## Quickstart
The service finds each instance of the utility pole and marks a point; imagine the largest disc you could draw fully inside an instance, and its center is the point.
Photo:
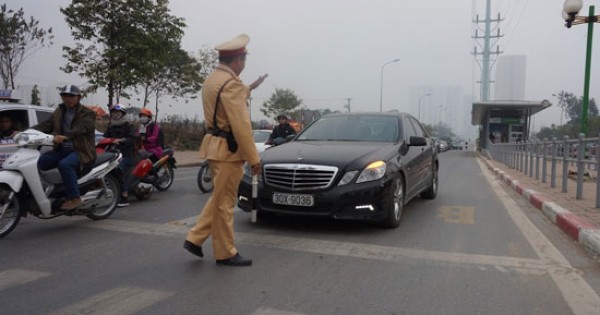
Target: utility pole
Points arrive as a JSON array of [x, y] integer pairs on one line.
[[348, 105], [486, 63]]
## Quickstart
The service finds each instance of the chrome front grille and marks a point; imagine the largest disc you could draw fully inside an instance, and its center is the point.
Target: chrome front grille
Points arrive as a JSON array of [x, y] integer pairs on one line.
[[299, 176]]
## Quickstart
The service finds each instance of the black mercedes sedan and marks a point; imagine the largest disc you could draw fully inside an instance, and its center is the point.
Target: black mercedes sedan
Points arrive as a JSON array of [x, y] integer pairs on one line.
[[359, 166]]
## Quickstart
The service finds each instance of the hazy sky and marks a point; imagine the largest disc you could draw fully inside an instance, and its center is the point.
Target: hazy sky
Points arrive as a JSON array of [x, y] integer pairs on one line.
[[329, 50]]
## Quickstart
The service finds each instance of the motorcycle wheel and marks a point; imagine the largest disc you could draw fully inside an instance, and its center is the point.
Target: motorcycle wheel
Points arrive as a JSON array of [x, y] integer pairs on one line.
[[114, 191], [164, 177], [205, 182], [12, 215]]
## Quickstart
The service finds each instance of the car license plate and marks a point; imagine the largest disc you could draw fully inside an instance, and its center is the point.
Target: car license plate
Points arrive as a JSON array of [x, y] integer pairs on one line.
[[293, 200]]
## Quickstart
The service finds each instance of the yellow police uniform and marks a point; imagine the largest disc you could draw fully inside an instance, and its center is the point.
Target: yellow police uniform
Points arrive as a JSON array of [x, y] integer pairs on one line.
[[216, 219]]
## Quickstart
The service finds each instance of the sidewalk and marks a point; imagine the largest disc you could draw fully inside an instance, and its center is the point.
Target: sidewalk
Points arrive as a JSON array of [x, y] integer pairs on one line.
[[577, 218], [187, 158]]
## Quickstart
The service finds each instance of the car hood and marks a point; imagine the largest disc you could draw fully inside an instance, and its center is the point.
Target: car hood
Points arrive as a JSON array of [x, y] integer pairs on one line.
[[342, 154]]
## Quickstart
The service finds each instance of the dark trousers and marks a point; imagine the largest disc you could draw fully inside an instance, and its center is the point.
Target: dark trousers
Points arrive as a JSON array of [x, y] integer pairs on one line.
[[67, 162]]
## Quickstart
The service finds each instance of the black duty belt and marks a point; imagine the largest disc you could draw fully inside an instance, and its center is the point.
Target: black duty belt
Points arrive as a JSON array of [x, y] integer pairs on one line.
[[217, 132]]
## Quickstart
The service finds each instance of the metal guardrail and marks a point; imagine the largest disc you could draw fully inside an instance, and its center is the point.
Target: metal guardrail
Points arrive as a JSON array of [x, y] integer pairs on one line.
[[534, 157]]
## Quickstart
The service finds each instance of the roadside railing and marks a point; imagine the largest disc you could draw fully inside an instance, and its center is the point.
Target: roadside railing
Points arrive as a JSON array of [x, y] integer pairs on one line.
[[554, 160]]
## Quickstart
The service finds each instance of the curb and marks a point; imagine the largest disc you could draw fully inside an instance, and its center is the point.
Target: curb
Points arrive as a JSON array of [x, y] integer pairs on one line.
[[577, 227]]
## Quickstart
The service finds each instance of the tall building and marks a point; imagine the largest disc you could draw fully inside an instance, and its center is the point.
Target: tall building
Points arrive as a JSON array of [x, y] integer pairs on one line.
[[510, 78]]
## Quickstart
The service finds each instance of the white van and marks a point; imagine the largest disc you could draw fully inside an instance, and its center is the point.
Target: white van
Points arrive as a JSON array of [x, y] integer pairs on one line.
[[23, 117]]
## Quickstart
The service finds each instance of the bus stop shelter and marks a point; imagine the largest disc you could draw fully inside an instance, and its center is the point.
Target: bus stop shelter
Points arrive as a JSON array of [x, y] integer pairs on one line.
[[504, 121]]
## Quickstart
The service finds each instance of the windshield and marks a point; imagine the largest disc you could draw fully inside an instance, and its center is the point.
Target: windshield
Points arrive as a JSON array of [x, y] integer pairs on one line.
[[373, 128], [261, 136]]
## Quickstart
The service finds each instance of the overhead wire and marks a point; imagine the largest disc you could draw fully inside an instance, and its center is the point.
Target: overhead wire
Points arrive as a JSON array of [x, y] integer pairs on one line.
[[509, 37]]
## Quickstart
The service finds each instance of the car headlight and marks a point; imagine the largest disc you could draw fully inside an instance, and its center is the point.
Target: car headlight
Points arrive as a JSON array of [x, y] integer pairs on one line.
[[347, 178], [373, 171]]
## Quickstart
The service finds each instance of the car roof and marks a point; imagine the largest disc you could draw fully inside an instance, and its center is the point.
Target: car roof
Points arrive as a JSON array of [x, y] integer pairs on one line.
[[388, 113], [8, 106]]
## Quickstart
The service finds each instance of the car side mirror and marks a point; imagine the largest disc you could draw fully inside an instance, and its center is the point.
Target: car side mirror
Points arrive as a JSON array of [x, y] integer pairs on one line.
[[415, 141]]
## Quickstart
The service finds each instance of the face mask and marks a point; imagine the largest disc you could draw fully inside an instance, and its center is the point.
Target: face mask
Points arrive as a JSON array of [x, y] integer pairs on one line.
[[116, 116], [144, 120]]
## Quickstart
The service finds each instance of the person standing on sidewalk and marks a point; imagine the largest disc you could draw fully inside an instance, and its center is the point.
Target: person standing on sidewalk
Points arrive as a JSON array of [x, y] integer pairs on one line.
[[226, 145]]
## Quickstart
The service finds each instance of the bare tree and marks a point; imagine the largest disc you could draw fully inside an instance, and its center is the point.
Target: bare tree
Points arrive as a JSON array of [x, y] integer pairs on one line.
[[19, 39]]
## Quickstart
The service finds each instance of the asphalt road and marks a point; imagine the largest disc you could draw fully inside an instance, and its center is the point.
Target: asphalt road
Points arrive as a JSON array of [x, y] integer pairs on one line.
[[476, 249]]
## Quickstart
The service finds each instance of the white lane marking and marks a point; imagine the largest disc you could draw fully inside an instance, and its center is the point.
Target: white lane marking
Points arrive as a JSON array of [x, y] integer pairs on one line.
[[581, 298], [183, 178], [347, 249], [14, 277], [191, 221], [272, 311], [117, 301]]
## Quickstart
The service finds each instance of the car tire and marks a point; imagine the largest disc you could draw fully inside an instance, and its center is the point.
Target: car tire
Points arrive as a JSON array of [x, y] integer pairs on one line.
[[395, 204], [431, 192]]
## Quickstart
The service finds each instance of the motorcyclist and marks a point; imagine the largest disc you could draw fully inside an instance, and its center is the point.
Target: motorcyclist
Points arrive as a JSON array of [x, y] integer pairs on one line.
[[72, 125], [281, 131], [149, 132], [123, 132]]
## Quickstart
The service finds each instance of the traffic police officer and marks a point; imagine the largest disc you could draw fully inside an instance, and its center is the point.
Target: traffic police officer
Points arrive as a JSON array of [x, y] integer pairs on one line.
[[224, 91]]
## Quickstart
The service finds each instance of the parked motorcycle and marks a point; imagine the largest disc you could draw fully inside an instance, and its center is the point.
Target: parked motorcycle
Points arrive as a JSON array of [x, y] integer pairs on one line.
[[26, 190]]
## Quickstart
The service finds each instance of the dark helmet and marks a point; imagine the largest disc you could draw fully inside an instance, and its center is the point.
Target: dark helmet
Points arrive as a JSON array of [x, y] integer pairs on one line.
[[281, 116]]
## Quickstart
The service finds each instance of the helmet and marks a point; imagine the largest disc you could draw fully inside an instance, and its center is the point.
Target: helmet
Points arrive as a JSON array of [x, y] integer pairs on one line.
[[145, 111], [70, 90], [281, 116], [118, 108]]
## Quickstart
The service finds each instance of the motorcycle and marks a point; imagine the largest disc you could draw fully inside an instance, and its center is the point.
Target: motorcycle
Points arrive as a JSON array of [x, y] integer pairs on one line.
[[204, 179], [147, 175], [25, 190], [160, 174]]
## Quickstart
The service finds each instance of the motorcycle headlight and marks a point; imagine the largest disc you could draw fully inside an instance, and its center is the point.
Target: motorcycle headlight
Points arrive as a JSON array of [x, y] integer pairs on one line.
[[21, 138], [373, 171]]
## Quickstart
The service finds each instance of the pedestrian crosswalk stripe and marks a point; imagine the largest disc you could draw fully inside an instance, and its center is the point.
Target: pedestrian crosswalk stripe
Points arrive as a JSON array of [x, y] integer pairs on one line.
[[272, 311], [347, 249], [14, 277], [118, 301]]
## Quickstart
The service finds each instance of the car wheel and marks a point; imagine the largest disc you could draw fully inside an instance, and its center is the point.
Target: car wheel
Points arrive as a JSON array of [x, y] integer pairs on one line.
[[395, 204], [431, 192]]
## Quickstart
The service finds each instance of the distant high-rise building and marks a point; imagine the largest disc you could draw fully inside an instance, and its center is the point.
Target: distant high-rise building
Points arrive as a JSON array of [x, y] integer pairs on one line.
[[443, 104], [510, 78]]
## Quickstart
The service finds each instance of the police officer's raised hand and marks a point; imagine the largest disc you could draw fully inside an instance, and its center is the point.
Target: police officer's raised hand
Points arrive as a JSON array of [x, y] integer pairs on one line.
[[258, 81], [256, 168]]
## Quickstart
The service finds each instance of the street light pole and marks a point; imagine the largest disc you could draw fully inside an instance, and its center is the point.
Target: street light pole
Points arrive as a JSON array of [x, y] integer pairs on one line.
[[420, 98], [571, 9], [381, 84]]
